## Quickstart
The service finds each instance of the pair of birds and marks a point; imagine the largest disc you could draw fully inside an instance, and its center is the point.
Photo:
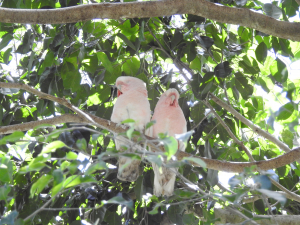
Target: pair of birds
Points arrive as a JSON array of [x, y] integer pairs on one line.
[[132, 103]]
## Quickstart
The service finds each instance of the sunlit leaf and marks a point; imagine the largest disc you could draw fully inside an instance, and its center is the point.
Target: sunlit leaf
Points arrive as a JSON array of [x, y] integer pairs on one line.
[[71, 155], [120, 201], [17, 135], [171, 146], [285, 111], [40, 184], [53, 146]]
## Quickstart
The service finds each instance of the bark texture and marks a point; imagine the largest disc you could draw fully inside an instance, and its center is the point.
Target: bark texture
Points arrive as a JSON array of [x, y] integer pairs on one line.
[[223, 14]]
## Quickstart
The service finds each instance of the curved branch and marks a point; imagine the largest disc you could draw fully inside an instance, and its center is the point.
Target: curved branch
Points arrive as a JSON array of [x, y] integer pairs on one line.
[[227, 216], [234, 167], [223, 14], [67, 118]]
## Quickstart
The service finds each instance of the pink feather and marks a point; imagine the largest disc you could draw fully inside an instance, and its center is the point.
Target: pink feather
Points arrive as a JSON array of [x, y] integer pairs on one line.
[[169, 119], [132, 103]]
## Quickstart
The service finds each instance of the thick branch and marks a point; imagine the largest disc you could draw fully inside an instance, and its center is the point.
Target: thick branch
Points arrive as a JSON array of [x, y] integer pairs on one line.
[[234, 167], [224, 14], [227, 216], [288, 193]]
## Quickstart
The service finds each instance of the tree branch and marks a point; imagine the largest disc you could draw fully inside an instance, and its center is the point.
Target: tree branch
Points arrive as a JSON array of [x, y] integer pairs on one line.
[[249, 123], [227, 216], [236, 140], [223, 14], [287, 193], [234, 167], [67, 118]]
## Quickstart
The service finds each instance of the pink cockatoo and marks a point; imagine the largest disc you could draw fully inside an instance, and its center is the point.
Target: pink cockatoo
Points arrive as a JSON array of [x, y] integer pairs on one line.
[[169, 119], [132, 103]]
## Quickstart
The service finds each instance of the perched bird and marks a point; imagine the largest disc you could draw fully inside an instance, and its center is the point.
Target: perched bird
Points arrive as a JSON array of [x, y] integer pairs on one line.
[[169, 119], [132, 103]]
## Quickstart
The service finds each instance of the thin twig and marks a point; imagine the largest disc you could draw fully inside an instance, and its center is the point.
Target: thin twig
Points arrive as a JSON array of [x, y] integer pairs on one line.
[[236, 140], [250, 124], [178, 65]]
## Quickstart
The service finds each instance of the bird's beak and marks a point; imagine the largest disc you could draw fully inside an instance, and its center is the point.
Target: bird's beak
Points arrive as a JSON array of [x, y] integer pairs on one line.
[[119, 89], [173, 97]]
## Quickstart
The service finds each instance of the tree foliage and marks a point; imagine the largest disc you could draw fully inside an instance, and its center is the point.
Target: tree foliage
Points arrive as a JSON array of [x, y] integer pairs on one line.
[[66, 173]]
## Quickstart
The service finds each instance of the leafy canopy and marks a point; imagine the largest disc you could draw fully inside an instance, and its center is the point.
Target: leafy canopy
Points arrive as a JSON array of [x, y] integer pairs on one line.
[[69, 167]]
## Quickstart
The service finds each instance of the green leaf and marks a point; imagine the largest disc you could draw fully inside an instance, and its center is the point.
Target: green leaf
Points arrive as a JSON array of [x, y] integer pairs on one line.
[[6, 169], [127, 29], [130, 131], [40, 184], [138, 188], [263, 84], [155, 209], [58, 176], [131, 66], [184, 194], [93, 99], [15, 136], [272, 10], [112, 218], [185, 136], [53, 146], [81, 54], [155, 159], [102, 57], [76, 180], [175, 213], [71, 156], [4, 191], [7, 56], [96, 166], [19, 222], [128, 121], [176, 39], [285, 111], [9, 219], [32, 167], [150, 124], [4, 175], [171, 146], [70, 75], [290, 7], [64, 165], [56, 189], [190, 219], [5, 39], [261, 52], [141, 31], [119, 201], [196, 64], [241, 82], [125, 39], [279, 71], [191, 51], [81, 144], [288, 137]]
